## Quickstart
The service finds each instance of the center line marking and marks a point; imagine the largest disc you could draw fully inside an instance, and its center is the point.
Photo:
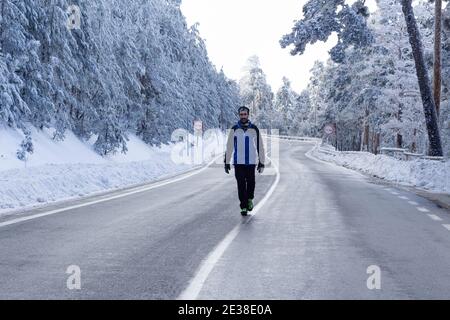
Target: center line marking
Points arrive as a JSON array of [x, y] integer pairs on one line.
[[447, 226], [197, 282], [403, 197], [435, 217], [422, 209], [413, 203]]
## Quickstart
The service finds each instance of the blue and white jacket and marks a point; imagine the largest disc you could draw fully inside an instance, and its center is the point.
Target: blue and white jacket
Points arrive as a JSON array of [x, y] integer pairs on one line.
[[245, 145]]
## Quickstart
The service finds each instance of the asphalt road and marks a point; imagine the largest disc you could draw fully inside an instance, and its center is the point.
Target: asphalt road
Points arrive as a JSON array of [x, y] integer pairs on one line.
[[313, 238]]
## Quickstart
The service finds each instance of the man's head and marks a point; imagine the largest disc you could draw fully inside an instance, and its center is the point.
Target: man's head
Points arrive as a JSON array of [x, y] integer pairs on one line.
[[243, 114]]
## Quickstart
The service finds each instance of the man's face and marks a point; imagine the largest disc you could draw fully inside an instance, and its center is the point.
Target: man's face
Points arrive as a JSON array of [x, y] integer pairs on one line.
[[243, 115]]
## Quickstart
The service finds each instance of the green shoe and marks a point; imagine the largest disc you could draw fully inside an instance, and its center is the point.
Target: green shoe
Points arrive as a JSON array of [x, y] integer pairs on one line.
[[250, 205], [244, 212]]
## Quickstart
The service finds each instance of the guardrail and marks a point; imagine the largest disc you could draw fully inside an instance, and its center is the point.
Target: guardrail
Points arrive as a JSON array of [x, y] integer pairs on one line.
[[404, 154], [399, 153], [293, 138]]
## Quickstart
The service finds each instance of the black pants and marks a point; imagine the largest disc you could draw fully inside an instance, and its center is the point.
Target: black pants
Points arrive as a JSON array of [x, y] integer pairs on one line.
[[245, 176]]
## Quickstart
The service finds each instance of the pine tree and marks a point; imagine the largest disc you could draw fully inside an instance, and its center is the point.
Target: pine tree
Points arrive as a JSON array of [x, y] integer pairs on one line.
[[323, 18], [26, 148], [285, 104], [256, 93]]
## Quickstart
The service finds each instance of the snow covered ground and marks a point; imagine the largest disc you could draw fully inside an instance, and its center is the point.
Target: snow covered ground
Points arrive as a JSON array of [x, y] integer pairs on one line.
[[70, 169], [430, 175]]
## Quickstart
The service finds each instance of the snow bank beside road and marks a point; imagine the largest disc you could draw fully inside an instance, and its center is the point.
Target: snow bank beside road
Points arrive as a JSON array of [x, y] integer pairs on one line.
[[70, 169], [53, 182], [426, 174]]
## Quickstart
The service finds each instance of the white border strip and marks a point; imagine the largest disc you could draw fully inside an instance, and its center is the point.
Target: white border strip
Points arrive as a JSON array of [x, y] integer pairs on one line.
[[435, 217], [139, 190], [201, 275]]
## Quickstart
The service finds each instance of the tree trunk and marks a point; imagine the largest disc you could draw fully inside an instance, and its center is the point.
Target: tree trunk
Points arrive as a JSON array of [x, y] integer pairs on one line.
[[2, 23], [429, 106], [377, 143], [399, 137], [414, 143], [437, 55], [366, 133], [399, 141]]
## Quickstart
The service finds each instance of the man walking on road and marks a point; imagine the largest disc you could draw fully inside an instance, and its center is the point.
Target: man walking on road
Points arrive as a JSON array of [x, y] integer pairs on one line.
[[245, 144]]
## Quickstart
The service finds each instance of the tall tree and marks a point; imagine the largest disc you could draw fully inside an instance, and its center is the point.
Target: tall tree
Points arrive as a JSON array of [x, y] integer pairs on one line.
[[285, 104], [437, 54], [423, 79], [256, 93]]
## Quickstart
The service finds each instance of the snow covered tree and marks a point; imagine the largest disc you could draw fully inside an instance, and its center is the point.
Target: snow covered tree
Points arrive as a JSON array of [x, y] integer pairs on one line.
[[256, 93], [372, 95], [323, 18], [13, 110], [400, 111], [444, 118], [130, 67], [437, 75], [285, 105], [26, 147], [300, 125], [424, 80], [318, 98], [13, 54]]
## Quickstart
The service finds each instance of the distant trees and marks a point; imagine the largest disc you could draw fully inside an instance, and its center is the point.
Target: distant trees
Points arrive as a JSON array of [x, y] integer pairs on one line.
[[257, 94], [286, 101]]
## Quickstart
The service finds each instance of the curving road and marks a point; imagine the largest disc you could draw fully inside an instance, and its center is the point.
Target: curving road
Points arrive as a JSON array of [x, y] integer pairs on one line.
[[313, 238]]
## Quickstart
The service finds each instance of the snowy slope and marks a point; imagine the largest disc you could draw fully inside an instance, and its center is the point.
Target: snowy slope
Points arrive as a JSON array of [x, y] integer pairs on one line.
[[71, 169], [71, 150], [426, 174]]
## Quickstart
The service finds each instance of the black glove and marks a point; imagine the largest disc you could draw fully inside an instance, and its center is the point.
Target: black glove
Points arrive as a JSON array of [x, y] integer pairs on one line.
[[260, 167], [227, 168]]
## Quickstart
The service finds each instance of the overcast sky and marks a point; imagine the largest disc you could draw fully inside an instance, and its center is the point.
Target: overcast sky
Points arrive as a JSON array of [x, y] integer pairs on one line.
[[236, 29]]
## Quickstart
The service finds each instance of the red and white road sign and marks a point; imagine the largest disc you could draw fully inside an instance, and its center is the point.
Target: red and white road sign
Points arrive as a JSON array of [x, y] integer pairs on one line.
[[329, 129], [198, 126]]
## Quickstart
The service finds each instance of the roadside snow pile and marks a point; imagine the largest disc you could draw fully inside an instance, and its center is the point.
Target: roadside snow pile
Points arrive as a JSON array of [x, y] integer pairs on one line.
[[70, 169], [426, 174], [47, 183]]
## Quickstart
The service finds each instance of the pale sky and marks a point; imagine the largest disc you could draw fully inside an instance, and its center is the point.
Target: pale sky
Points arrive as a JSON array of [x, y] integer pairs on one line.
[[236, 29]]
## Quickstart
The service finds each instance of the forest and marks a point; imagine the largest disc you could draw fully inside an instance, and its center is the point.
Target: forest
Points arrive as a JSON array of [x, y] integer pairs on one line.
[[105, 69], [137, 67]]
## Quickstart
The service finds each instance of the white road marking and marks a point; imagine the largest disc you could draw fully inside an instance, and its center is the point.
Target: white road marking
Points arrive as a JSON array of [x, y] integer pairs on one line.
[[139, 190], [422, 209], [447, 226], [413, 203], [403, 198], [201, 275], [335, 165], [435, 217], [395, 193]]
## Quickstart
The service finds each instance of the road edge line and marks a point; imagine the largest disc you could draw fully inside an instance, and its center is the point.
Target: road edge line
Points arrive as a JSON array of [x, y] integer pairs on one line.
[[153, 185]]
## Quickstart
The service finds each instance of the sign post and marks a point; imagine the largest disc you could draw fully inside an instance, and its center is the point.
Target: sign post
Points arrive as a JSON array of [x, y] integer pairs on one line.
[[198, 133], [329, 131]]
